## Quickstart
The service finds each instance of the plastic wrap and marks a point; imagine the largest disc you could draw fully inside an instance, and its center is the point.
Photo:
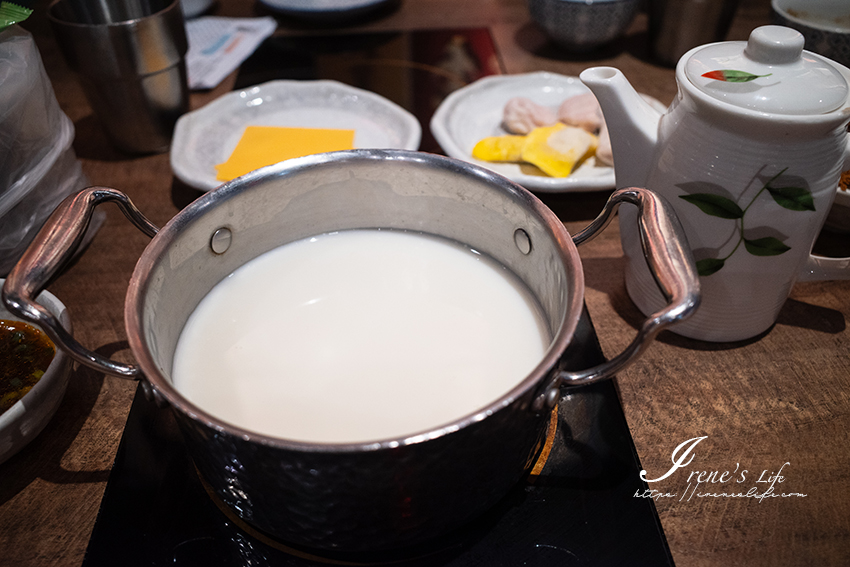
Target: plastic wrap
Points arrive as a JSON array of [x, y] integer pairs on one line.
[[38, 167]]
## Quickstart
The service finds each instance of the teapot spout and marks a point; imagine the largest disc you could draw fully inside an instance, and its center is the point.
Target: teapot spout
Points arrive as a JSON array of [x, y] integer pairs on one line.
[[632, 123]]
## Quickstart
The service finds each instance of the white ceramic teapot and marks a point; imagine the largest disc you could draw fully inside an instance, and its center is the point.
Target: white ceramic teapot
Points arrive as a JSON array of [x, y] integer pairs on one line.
[[749, 153]]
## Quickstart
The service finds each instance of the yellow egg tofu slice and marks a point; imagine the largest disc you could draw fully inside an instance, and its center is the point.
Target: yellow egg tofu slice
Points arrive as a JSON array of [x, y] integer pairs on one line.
[[260, 146], [499, 148], [557, 150]]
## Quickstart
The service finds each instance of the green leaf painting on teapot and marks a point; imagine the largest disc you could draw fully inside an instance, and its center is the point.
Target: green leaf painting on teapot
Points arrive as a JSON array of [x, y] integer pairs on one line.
[[733, 76], [789, 192]]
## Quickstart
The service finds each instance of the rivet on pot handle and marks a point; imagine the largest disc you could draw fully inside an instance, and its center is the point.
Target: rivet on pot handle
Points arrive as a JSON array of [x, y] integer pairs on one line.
[[671, 262], [52, 248]]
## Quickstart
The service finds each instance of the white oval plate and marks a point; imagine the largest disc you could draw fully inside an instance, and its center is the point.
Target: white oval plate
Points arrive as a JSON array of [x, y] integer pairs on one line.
[[206, 137], [475, 112], [321, 7]]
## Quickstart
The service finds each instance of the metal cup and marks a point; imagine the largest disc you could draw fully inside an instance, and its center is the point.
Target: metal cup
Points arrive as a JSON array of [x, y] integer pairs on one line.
[[677, 26], [130, 58]]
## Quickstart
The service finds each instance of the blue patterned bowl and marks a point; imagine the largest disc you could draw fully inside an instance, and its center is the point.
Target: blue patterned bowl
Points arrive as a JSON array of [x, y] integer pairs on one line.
[[583, 25], [825, 24]]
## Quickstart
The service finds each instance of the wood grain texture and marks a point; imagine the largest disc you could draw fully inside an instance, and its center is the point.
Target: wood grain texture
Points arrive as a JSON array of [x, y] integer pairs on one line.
[[780, 398]]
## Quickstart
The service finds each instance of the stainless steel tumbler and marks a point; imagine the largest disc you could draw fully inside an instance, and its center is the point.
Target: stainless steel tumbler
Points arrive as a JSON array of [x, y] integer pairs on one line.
[[129, 56], [677, 26]]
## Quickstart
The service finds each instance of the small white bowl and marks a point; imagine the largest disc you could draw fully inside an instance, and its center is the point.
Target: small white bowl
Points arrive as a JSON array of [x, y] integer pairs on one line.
[[22, 422], [824, 23]]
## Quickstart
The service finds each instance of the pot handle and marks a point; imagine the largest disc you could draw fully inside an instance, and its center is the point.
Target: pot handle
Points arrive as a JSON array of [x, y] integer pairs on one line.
[[671, 262], [53, 246]]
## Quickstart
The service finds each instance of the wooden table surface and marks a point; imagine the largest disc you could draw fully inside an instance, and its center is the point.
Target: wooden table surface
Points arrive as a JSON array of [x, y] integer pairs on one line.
[[780, 399]]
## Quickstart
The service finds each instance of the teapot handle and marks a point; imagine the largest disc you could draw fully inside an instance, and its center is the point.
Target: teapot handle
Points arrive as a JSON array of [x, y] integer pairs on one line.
[[822, 268], [672, 265], [52, 248]]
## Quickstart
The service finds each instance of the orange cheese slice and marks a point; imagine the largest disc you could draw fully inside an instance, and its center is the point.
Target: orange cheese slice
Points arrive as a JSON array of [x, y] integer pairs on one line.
[[260, 146]]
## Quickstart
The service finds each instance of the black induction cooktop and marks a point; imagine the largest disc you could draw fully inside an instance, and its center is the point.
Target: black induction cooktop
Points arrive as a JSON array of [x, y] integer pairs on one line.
[[578, 509]]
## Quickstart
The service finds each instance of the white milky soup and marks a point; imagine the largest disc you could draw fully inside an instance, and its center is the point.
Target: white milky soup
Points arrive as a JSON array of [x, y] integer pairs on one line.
[[359, 336]]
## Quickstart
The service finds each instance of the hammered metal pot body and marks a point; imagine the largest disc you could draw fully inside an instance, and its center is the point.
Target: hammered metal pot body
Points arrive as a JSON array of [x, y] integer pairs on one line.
[[392, 492], [369, 499]]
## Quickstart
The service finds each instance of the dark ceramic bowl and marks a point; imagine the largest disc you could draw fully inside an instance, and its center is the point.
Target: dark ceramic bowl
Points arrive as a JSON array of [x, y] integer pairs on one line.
[[825, 24], [583, 25]]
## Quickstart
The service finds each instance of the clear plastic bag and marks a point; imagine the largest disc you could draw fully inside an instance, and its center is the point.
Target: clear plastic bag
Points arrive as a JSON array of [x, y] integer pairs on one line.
[[38, 167]]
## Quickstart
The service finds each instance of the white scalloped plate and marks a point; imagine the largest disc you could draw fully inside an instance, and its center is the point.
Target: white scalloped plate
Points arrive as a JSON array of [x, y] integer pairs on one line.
[[206, 137], [475, 112]]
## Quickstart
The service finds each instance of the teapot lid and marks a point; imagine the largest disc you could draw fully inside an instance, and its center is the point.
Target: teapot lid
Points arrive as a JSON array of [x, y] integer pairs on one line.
[[769, 73]]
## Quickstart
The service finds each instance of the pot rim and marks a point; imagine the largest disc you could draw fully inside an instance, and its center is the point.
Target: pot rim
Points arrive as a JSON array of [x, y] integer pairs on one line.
[[164, 391]]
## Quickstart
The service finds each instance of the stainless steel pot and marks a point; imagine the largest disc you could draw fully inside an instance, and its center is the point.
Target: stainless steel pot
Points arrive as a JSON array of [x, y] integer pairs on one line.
[[358, 496]]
